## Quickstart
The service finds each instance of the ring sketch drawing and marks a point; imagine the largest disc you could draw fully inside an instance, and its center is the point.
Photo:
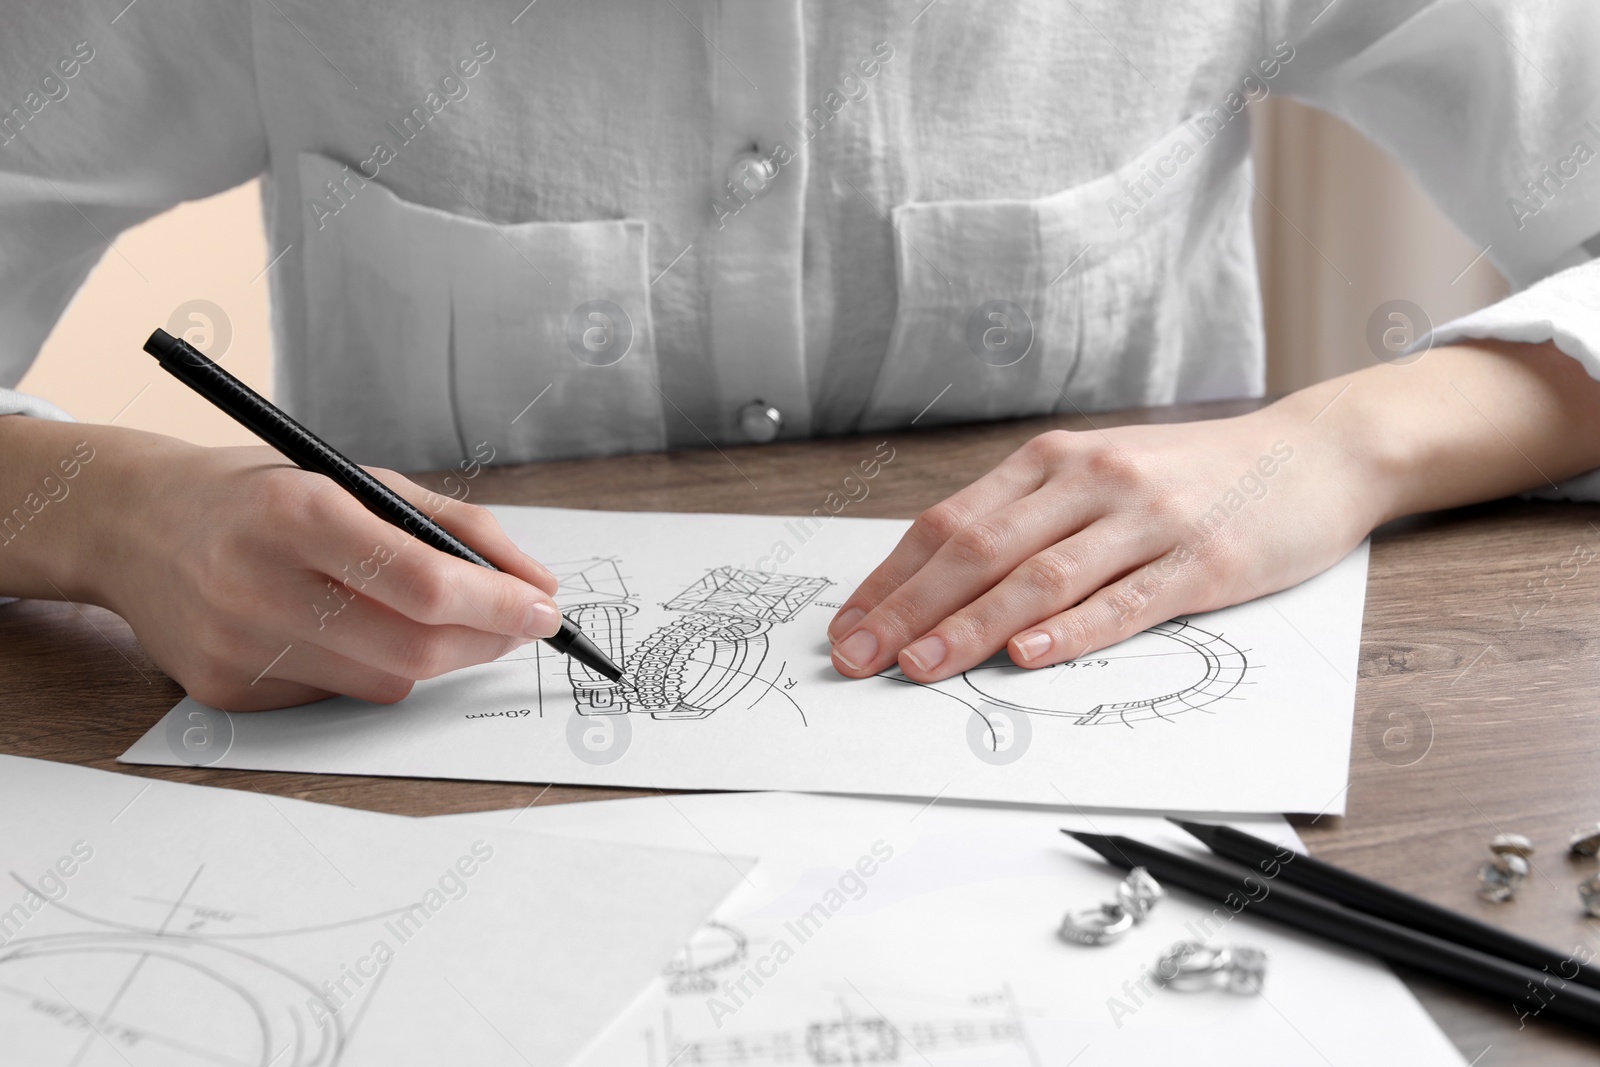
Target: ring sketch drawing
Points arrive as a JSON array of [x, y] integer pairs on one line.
[[692, 665], [716, 645], [854, 1031], [731, 684], [240, 1006], [1168, 669]]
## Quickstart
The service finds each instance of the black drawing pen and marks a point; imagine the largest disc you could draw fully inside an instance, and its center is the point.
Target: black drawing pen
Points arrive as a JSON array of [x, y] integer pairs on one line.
[[258, 415]]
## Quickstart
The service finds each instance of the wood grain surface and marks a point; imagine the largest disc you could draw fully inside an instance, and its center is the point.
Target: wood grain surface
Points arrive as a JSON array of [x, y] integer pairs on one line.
[[1476, 707]]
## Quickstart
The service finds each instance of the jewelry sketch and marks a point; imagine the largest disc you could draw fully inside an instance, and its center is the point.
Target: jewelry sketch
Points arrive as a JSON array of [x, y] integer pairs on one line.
[[246, 1009], [590, 581], [859, 1035], [694, 665], [1188, 668], [239, 1006], [714, 948]]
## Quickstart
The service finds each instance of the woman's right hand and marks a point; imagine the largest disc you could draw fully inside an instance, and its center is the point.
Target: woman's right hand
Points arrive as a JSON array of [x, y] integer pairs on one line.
[[257, 585]]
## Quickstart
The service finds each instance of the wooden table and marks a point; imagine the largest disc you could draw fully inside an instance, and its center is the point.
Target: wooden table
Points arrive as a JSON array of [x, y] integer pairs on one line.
[[1476, 710]]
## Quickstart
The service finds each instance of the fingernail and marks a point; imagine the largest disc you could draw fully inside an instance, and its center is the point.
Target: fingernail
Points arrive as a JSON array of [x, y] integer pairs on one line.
[[845, 623], [543, 620], [927, 653], [1033, 645], [857, 650]]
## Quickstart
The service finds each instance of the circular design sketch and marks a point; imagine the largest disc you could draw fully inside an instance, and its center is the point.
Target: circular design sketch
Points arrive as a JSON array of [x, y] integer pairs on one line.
[[1166, 670], [237, 1008], [714, 948]]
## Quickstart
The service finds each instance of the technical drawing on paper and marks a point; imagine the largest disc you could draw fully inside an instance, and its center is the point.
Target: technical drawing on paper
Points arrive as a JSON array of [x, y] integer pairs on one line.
[[97, 982], [988, 1024], [590, 581], [749, 594], [715, 947], [695, 664], [717, 645], [1168, 669], [257, 1009]]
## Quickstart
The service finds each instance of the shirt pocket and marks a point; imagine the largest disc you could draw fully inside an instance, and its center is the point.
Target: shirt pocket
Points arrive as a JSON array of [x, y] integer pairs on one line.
[[431, 335], [1011, 308]]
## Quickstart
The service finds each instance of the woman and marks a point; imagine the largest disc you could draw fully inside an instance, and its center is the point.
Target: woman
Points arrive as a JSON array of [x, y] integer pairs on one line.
[[581, 229]]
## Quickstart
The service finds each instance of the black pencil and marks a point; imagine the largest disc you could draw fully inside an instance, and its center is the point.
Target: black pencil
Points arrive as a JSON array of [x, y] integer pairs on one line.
[[1375, 898], [1530, 991], [306, 450]]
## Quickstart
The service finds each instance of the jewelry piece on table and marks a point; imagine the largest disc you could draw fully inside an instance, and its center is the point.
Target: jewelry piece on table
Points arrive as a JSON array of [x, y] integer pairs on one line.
[[1190, 966], [1500, 878], [1511, 845], [1589, 893], [1096, 926], [1136, 895], [1139, 893], [1193, 967], [1247, 971], [1585, 840]]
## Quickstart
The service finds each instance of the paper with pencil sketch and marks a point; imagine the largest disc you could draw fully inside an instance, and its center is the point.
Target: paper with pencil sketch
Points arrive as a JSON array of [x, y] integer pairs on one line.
[[152, 924], [890, 932], [1244, 709]]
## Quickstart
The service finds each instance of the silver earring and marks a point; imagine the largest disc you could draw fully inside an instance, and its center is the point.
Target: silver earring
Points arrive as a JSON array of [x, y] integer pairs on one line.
[[1136, 895], [1191, 967], [1139, 893], [1096, 926]]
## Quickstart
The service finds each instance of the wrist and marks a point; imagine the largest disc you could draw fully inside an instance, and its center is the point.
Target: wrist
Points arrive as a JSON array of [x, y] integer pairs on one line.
[[1366, 452], [1463, 424], [67, 492]]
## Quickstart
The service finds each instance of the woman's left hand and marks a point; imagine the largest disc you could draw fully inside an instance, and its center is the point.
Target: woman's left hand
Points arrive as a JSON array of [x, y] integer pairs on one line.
[[1081, 539]]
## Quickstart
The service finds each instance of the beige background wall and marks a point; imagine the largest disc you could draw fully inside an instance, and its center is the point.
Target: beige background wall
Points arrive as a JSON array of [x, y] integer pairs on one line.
[[1341, 230], [210, 250]]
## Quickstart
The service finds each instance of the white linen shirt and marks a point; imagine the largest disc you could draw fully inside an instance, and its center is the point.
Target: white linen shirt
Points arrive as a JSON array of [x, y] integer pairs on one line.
[[642, 218]]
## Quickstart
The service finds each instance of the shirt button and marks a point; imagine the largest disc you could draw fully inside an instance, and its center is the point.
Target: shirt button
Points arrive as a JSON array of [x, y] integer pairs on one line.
[[760, 421], [751, 174]]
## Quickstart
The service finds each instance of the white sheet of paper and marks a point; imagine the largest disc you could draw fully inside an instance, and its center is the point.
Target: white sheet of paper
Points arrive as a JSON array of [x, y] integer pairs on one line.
[[149, 923], [883, 931], [1245, 709]]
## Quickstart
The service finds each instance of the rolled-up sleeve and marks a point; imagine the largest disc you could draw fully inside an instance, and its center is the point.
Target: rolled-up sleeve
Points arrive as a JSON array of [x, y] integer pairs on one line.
[[105, 121], [1563, 309], [1494, 105]]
